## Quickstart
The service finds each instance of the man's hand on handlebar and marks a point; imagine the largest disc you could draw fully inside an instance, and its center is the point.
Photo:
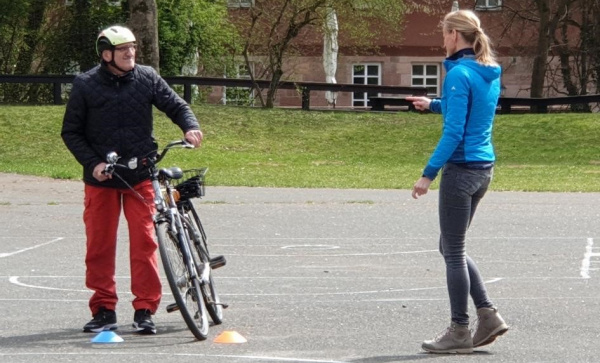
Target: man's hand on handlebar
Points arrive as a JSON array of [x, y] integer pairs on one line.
[[100, 172], [194, 137]]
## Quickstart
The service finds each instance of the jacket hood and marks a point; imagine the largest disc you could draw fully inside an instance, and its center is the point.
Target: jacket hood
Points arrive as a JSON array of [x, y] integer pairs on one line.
[[488, 73]]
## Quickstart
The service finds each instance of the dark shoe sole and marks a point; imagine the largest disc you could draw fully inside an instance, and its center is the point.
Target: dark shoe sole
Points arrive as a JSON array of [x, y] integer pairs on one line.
[[101, 329], [144, 331], [492, 338], [449, 351]]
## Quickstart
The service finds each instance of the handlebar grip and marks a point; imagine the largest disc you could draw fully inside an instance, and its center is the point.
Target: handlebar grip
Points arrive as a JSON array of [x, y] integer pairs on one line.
[[108, 169]]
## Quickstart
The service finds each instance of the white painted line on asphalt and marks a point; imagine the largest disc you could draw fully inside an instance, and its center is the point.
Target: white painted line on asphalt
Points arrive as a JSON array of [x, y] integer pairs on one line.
[[48, 300], [137, 354], [337, 255], [310, 247], [8, 254], [587, 256], [15, 281]]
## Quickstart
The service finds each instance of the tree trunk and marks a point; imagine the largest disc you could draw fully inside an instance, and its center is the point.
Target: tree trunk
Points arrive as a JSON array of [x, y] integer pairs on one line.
[[273, 87], [144, 24], [22, 92], [34, 23], [538, 74], [595, 46]]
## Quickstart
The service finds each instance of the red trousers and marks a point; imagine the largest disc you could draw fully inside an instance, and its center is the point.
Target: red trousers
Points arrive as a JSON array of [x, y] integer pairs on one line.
[[101, 217]]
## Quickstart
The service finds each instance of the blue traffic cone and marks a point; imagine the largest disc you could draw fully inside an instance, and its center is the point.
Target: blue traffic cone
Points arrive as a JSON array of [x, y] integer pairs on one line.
[[107, 336]]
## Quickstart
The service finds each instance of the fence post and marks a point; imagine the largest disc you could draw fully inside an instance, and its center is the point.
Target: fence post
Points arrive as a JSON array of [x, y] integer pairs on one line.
[[187, 93], [305, 98], [56, 92], [504, 105]]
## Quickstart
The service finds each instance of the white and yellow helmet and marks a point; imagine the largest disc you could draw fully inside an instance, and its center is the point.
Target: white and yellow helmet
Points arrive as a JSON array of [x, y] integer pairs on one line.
[[112, 36]]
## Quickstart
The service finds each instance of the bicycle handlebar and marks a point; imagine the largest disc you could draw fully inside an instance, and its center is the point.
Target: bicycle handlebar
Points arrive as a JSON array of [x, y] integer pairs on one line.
[[112, 157]]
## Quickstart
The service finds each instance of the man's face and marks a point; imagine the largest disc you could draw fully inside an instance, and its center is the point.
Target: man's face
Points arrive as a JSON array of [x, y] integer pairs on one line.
[[124, 57]]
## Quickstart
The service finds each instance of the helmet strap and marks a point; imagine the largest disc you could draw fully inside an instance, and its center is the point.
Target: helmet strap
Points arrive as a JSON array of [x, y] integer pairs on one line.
[[112, 62]]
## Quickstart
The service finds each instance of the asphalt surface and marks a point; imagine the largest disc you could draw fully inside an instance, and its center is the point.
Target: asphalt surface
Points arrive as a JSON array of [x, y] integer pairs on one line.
[[313, 275]]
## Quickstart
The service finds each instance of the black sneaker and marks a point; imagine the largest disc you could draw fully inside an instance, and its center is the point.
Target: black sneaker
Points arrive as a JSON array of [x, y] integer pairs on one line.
[[104, 319], [142, 322]]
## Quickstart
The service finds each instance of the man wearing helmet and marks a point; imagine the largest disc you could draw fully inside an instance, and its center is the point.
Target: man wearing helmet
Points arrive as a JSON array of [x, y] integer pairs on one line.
[[110, 109], [120, 41]]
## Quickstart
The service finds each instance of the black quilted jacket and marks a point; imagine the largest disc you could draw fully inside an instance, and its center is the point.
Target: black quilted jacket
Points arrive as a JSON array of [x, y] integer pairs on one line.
[[107, 113]]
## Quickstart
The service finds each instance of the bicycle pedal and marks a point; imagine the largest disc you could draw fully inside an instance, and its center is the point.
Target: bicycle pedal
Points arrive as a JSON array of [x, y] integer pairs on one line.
[[225, 306], [172, 307], [217, 262]]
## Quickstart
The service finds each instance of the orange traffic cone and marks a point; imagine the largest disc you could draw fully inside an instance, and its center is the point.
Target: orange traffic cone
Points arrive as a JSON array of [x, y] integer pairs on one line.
[[230, 337]]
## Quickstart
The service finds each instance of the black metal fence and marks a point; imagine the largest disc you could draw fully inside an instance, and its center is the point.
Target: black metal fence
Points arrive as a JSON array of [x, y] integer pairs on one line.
[[303, 87], [378, 103], [540, 105]]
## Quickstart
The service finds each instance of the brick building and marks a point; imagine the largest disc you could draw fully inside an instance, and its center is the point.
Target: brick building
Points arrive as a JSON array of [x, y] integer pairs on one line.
[[414, 60]]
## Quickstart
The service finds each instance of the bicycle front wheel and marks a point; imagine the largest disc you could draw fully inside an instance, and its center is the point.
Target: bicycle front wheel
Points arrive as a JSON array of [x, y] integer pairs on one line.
[[186, 290], [202, 258]]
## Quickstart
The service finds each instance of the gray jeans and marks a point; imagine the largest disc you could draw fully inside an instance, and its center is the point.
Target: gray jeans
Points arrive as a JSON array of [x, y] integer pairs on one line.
[[461, 190]]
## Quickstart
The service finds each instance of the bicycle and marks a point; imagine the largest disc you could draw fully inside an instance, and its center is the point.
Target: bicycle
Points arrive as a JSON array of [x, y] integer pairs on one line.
[[181, 238]]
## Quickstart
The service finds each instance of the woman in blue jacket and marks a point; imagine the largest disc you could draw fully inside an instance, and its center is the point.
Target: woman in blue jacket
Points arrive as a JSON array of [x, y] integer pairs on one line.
[[465, 155]]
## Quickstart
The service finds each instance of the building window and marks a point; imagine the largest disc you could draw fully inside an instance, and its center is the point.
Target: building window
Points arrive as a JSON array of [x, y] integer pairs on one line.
[[240, 3], [426, 75], [488, 5], [365, 74], [239, 96]]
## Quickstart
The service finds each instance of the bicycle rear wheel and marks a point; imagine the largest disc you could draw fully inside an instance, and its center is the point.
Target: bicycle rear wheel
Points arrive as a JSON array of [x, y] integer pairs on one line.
[[186, 291], [211, 297]]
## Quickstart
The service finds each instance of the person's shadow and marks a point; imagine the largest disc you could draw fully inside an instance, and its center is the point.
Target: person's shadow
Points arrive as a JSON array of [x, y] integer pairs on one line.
[[412, 357]]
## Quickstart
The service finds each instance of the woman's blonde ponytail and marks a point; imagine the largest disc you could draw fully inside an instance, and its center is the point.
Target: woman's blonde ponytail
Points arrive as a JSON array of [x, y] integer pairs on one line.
[[469, 26]]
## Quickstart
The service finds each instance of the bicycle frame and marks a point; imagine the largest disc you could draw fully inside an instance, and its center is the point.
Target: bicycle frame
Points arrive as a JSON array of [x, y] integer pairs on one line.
[[167, 207], [173, 227]]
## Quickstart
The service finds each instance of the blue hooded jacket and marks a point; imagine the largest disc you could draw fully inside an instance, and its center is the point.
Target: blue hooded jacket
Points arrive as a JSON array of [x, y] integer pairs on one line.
[[468, 106]]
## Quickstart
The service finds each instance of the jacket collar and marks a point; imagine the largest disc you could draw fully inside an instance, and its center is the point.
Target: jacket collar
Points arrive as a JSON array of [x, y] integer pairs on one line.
[[461, 53], [111, 77]]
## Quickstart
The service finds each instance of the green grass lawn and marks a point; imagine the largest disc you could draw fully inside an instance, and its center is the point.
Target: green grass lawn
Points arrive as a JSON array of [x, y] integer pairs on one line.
[[293, 148]]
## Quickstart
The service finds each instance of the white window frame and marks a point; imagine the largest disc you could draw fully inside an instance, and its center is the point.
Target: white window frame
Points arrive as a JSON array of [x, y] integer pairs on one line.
[[241, 73], [488, 5], [240, 3], [365, 95], [424, 77]]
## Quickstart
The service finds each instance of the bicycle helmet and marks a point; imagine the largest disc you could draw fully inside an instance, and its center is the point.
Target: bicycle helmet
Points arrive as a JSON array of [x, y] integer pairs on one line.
[[110, 37]]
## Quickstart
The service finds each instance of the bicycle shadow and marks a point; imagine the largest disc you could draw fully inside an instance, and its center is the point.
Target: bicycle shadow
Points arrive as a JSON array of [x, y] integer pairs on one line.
[[167, 335]]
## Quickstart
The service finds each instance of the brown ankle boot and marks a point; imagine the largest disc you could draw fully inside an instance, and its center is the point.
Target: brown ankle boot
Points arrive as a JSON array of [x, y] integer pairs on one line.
[[455, 339], [488, 327]]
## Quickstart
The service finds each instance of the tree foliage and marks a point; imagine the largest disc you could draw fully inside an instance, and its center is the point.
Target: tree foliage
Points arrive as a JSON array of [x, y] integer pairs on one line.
[[566, 49], [195, 32], [275, 30], [58, 37]]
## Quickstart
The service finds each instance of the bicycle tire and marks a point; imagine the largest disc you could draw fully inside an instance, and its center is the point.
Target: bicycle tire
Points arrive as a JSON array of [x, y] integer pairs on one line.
[[200, 254], [186, 291], [209, 292]]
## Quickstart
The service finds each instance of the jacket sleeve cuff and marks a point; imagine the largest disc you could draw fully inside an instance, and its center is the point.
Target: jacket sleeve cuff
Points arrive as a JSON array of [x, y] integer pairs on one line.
[[430, 172], [435, 105]]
